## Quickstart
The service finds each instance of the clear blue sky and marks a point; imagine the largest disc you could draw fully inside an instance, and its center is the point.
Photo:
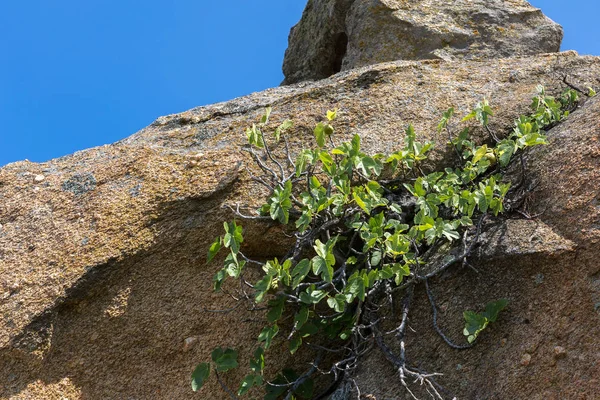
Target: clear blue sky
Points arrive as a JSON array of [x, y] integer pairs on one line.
[[81, 73]]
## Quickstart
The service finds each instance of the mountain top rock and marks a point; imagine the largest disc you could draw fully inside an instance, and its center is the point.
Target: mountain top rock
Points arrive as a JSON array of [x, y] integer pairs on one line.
[[337, 35]]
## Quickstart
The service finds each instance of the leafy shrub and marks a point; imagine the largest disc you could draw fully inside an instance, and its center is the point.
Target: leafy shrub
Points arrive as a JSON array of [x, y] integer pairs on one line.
[[369, 228]]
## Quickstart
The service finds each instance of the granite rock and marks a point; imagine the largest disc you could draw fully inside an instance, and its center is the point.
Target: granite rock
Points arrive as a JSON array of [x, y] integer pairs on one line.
[[337, 35], [103, 273]]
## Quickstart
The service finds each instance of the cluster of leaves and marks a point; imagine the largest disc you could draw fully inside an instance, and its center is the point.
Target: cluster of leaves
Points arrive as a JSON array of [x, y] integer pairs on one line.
[[368, 228], [477, 322]]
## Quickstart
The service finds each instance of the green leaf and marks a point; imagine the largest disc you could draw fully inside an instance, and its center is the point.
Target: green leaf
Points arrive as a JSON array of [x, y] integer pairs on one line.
[[385, 273], [267, 335], [301, 317], [327, 160], [233, 237], [328, 130], [295, 343], [369, 166], [283, 273], [376, 258], [395, 208], [591, 92], [481, 200], [280, 386], [322, 263], [450, 233], [320, 267], [285, 125], [356, 286], [299, 272], [249, 381], [304, 221], [265, 118], [262, 287], [305, 158], [420, 190], [312, 296], [308, 329], [469, 116], [320, 134], [492, 309], [445, 118], [232, 267], [338, 303], [280, 203], [255, 136], [475, 322], [200, 375], [224, 359], [479, 153], [481, 113], [218, 280], [275, 310], [506, 149], [320, 248], [371, 278], [214, 249], [355, 144], [397, 244], [345, 335], [400, 271], [466, 221], [360, 202], [331, 114], [257, 363], [462, 140]]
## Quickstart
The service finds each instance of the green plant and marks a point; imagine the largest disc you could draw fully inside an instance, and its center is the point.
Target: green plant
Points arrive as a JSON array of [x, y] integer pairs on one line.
[[369, 228], [477, 322]]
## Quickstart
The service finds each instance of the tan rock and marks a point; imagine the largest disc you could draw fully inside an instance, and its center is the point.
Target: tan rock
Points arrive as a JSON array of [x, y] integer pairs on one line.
[[190, 342], [337, 35], [146, 219], [559, 352]]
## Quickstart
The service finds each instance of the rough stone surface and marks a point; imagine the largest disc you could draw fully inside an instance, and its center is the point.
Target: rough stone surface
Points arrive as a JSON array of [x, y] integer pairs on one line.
[[337, 35], [552, 289], [102, 268], [520, 237]]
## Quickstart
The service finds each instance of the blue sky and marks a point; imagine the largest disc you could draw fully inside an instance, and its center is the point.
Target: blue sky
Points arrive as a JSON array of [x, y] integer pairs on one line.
[[81, 73]]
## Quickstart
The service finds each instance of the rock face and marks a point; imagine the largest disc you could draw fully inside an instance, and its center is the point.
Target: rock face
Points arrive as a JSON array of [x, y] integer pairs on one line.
[[337, 35], [104, 288], [102, 262]]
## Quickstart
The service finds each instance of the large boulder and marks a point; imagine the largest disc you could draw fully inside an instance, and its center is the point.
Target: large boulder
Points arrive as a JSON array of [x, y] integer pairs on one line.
[[337, 35], [104, 291]]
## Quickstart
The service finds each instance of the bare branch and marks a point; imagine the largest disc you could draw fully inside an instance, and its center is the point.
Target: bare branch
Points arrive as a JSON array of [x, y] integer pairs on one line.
[[287, 153], [435, 325], [274, 160], [237, 212], [225, 387]]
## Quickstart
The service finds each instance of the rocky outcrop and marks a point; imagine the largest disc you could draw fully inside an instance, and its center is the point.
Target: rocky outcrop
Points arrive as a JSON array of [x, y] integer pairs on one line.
[[104, 290], [549, 270], [337, 35]]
